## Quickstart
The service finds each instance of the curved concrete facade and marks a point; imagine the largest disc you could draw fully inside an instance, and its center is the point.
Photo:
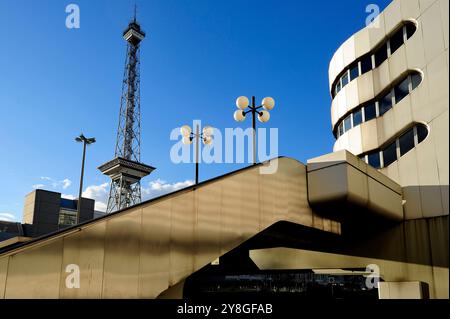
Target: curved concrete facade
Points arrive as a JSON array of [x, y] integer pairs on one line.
[[423, 171]]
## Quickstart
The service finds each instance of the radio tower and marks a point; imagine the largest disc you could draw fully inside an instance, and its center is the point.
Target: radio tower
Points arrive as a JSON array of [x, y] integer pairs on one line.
[[126, 169]]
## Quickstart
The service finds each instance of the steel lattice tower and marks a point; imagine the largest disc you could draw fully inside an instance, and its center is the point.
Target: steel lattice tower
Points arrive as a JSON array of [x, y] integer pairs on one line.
[[126, 169]]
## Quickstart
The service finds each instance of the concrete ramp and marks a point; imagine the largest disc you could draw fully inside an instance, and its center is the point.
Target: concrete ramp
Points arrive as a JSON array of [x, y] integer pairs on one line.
[[142, 251]]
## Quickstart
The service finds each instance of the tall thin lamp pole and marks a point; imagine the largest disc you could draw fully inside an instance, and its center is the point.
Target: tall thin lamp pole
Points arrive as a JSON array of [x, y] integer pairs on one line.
[[197, 141], [253, 108], [85, 141], [189, 136], [243, 103], [81, 183]]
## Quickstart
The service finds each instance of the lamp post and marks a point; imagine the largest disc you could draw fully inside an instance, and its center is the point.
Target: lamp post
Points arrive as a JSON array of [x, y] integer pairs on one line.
[[242, 103], [189, 136], [85, 141]]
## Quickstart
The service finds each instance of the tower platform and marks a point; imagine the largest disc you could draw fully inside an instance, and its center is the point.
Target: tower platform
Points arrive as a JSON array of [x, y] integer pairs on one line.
[[129, 170]]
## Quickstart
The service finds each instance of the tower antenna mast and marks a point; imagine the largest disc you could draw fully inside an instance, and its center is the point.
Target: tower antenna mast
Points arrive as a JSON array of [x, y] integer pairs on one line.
[[126, 169]]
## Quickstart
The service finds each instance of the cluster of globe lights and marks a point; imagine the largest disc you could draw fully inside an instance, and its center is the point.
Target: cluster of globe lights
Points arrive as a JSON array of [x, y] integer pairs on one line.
[[188, 135], [243, 102]]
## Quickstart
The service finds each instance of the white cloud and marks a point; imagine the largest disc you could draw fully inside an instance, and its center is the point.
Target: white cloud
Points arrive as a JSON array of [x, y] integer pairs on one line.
[[99, 193], [7, 217], [66, 183], [67, 196], [160, 187], [100, 206], [155, 188]]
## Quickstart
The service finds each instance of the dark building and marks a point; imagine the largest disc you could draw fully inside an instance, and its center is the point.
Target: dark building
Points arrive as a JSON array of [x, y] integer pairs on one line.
[[45, 212], [12, 229]]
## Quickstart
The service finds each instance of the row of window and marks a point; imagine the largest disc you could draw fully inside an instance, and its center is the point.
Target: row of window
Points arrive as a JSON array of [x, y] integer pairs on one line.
[[373, 60], [387, 155], [67, 217], [378, 106]]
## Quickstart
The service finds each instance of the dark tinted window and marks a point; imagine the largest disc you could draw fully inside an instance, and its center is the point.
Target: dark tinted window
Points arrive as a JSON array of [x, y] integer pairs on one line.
[[341, 129], [366, 64], [396, 40], [354, 71], [385, 103], [422, 133], [389, 154], [406, 142], [338, 87], [410, 29], [357, 117], [374, 159], [381, 55], [344, 79], [401, 90], [369, 111], [416, 78], [348, 123]]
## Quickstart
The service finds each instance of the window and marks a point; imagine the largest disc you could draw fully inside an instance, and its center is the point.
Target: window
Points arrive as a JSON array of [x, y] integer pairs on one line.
[[67, 217], [394, 95], [354, 71], [401, 90], [348, 123], [385, 103], [357, 117], [370, 112], [366, 64], [396, 40], [416, 78], [344, 79], [338, 87], [406, 142], [341, 129], [381, 55], [390, 154], [410, 29], [422, 133], [374, 159]]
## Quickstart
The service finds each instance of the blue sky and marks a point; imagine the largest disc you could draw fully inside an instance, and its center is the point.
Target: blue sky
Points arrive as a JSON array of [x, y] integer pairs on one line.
[[197, 58]]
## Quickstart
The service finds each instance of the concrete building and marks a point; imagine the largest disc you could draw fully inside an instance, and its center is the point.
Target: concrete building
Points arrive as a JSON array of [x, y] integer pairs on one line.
[[45, 212], [389, 84], [378, 205]]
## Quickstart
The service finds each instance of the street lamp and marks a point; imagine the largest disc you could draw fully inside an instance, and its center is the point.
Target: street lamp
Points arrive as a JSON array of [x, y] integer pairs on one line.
[[85, 141], [242, 103], [188, 136]]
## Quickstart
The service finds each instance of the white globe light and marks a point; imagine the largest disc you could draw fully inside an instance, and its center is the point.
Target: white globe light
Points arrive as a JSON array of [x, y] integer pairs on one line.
[[208, 131], [185, 130], [239, 116], [187, 140], [207, 140], [268, 103], [242, 102], [264, 116]]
